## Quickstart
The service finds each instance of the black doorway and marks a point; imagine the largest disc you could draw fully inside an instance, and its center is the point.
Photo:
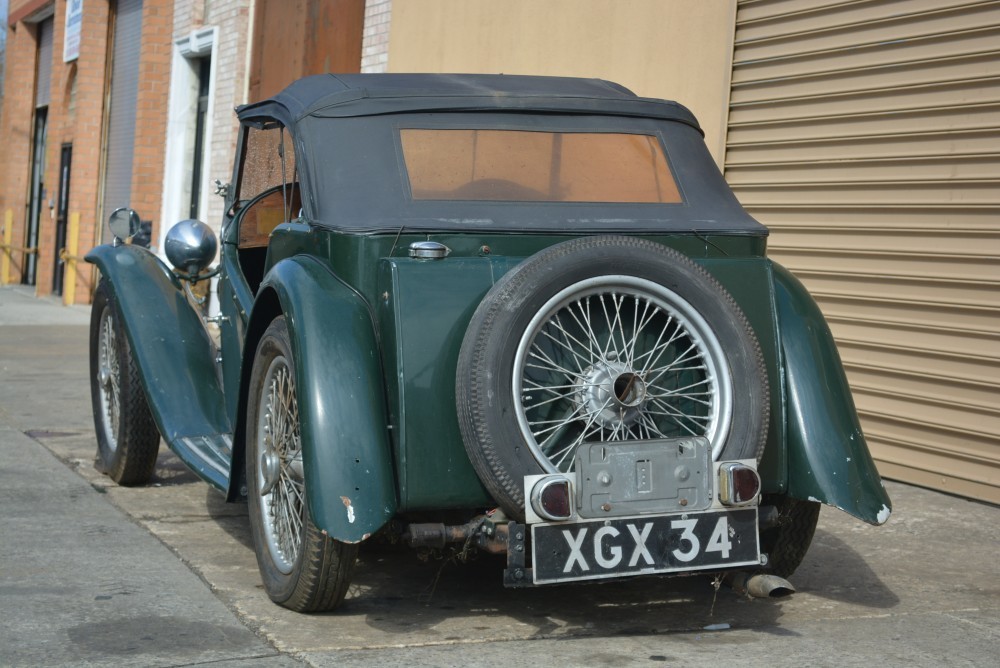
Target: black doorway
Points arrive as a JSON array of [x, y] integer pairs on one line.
[[37, 202], [62, 217]]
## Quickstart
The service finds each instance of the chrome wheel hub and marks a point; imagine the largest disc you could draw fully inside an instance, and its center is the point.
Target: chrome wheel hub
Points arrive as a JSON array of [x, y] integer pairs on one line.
[[270, 468], [613, 394]]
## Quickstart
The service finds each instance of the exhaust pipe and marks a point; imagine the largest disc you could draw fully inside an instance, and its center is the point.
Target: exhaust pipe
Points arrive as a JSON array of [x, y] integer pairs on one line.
[[491, 538], [759, 585]]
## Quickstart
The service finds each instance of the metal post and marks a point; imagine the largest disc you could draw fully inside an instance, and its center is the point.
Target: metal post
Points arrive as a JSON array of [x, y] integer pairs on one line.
[[72, 245], [8, 236]]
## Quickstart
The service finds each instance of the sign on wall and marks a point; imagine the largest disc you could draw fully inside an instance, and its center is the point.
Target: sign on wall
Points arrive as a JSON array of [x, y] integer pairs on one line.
[[74, 19]]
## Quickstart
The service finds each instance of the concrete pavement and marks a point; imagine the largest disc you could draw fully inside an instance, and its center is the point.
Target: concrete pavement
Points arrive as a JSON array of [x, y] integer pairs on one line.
[[165, 575], [81, 583]]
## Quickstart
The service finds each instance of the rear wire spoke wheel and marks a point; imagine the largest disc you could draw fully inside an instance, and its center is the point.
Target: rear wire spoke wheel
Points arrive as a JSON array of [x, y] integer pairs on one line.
[[604, 340], [279, 473], [302, 569], [127, 438]]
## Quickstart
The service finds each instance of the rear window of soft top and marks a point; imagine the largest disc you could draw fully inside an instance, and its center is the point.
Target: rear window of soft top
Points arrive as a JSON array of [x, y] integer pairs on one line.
[[536, 166]]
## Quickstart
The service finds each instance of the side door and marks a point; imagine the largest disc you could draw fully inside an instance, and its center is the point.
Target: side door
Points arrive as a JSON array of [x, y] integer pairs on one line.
[[264, 194]]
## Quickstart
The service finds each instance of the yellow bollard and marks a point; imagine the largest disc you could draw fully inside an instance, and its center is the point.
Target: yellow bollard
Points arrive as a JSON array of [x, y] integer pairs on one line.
[[8, 236], [72, 246]]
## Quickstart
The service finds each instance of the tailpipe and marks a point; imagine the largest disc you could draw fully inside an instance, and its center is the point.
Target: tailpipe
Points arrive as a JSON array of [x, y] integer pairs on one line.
[[759, 585], [479, 532]]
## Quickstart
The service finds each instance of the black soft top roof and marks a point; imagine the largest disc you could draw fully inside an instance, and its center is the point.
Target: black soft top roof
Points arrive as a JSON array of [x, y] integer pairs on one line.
[[344, 95]]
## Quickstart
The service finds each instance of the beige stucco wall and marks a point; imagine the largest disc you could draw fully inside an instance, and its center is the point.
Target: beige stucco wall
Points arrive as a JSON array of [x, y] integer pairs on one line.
[[674, 49]]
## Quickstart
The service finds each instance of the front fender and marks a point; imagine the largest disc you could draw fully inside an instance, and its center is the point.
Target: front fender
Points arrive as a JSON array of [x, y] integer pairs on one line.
[[345, 444], [175, 357], [828, 459]]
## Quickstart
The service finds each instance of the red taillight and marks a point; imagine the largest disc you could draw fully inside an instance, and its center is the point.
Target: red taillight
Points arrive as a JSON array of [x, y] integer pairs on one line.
[[739, 484], [550, 498]]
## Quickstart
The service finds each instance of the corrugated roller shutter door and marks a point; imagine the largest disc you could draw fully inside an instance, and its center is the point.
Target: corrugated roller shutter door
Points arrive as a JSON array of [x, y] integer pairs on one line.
[[43, 85], [866, 135], [121, 108]]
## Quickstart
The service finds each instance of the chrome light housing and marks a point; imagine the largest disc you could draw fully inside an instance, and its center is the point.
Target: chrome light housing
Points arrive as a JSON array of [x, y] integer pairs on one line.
[[552, 499], [190, 246], [739, 484]]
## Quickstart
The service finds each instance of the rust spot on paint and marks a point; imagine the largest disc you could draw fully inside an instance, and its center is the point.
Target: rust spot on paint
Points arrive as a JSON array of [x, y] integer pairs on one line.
[[350, 509]]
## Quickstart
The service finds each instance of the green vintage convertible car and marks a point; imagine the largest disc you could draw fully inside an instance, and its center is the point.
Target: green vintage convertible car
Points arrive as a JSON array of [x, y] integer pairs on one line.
[[522, 314]]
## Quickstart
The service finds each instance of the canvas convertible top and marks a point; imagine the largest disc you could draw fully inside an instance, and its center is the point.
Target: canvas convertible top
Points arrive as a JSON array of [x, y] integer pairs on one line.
[[367, 186], [346, 95]]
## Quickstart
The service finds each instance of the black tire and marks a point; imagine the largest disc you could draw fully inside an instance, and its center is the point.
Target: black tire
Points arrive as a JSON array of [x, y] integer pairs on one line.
[[310, 572], [127, 438], [786, 543], [540, 330]]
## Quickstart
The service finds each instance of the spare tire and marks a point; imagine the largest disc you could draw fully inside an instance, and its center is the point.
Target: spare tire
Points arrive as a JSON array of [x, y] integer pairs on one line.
[[604, 339]]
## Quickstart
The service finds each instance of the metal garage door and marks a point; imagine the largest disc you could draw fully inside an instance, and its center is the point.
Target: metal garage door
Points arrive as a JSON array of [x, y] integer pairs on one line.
[[866, 135], [121, 109], [43, 80]]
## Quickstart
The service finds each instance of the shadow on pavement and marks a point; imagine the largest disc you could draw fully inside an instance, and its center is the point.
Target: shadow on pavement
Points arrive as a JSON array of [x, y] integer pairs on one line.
[[403, 593], [171, 471], [400, 594], [231, 517], [833, 570]]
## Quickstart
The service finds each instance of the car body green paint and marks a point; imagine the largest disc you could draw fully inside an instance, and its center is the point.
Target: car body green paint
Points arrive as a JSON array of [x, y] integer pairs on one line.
[[828, 459], [175, 356], [423, 312], [344, 430]]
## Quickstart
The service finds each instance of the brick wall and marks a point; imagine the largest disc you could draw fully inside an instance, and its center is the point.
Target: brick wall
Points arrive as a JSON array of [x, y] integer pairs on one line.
[[84, 126], [3, 45], [375, 44], [151, 107], [16, 120], [233, 19], [76, 116], [76, 112]]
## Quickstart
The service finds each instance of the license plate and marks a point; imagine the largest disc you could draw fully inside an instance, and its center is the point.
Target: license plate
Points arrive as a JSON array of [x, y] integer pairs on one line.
[[623, 546]]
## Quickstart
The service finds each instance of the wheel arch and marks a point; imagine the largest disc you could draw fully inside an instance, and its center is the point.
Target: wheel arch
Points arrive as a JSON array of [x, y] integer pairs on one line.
[[127, 447], [347, 458], [828, 457], [173, 352]]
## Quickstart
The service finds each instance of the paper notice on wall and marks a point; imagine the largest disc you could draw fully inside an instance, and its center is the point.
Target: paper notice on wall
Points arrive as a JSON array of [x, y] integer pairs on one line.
[[74, 20]]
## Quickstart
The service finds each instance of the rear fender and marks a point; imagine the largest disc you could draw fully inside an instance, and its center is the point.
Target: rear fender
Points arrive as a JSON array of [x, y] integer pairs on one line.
[[828, 458], [345, 443], [175, 357]]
